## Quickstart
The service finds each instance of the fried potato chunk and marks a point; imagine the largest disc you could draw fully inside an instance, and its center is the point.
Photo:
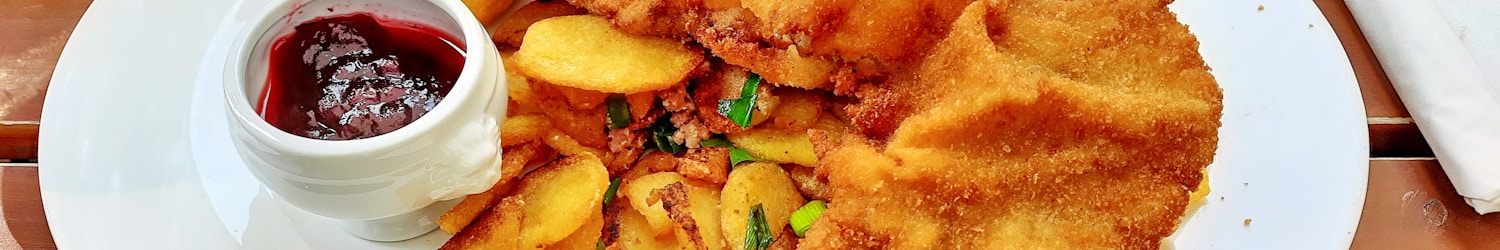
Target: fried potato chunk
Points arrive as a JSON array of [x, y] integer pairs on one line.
[[560, 198], [758, 183], [496, 230], [584, 52]]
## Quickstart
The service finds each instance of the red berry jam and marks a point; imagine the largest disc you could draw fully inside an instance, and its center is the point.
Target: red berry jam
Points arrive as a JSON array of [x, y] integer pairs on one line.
[[357, 76]]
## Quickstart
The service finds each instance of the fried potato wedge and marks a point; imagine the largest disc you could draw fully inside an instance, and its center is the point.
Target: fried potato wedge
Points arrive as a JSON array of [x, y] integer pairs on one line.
[[778, 145], [585, 52], [560, 198], [762, 183], [496, 230], [639, 193]]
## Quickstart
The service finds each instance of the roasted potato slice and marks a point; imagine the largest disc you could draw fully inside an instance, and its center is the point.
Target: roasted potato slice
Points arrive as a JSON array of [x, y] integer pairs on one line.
[[636, 233], [762, 183], [586, 237], [517, 86], [639, 193], [705, 208], [497, 229], [674, 199], [512, 163], [694, 210], [585, 52], [523, 128], [560, 198], [778, 145]]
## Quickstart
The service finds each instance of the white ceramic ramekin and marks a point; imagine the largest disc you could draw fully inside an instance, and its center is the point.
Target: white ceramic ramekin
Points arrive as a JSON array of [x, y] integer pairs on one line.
[[383, 188]]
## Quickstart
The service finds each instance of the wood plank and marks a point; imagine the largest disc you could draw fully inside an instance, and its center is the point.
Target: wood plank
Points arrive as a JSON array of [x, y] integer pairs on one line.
[[21, 206], [1410, 204], [35, 32]]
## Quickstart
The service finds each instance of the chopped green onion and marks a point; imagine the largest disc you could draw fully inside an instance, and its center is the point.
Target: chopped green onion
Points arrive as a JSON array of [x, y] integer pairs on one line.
[[619, 111], [661, 135], [739, 110], [600, 245], [609, 194], [737, 155], [803, 218], [716, 141], [757, 232]]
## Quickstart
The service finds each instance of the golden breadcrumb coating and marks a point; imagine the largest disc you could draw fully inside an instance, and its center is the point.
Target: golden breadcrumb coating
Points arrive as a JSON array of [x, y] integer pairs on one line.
[[1032, 124]]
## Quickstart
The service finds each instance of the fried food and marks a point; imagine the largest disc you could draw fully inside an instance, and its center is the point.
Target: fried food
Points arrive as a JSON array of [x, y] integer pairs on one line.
[[585, 52], [512, 162], [496, 230], [639, 192], [806, 44], [1032, 124], [777, 145], [761, 183], [706, 164], [924, 124], [513, 28], [560, 198]]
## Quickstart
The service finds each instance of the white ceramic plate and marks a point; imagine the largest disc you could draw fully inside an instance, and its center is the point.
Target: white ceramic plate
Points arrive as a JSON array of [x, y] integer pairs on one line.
[[135, 154]]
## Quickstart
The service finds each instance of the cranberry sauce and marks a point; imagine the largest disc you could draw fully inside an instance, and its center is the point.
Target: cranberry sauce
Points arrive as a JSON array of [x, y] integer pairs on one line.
[[357, 76]]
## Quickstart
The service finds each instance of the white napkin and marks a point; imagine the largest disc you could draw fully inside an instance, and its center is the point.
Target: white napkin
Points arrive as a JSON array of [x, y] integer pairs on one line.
[[1443, 57]]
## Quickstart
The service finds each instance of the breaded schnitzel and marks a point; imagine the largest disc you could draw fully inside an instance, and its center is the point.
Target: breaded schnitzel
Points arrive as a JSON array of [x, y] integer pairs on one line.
[[979, 124], [1032, 124]]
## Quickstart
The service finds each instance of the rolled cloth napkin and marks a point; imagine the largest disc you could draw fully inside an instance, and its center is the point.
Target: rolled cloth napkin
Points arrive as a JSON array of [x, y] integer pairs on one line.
[[1443, 57]]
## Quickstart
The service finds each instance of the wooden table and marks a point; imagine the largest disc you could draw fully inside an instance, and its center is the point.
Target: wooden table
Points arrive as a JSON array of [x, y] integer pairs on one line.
[[1410, 204]]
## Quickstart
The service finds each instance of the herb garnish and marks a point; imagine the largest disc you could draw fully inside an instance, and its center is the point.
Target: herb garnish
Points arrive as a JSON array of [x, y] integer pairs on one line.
[[740, 109], [618, 110], [757, 232]]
